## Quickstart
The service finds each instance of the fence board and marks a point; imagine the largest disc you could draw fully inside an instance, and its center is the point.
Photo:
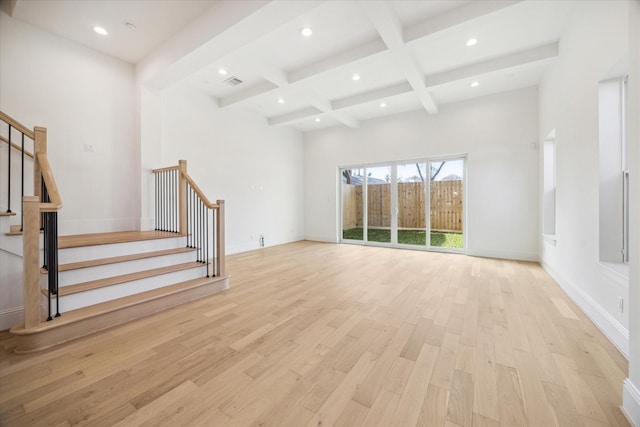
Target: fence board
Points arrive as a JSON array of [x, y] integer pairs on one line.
[[446, 205]]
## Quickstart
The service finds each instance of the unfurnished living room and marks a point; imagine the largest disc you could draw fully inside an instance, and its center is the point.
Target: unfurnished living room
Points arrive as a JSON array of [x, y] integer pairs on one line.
[[319, 213]]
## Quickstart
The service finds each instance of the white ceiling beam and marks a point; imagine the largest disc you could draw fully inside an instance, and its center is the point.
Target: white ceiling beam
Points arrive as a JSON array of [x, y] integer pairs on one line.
[[454, 18], [295, 116], [326, 107], [540, 53], [385, 22], [345, 119], [227, 26], [346, 57], [371, 96], [263, 66], [528, 56], [247, 93], [341, 59], [388, 26]]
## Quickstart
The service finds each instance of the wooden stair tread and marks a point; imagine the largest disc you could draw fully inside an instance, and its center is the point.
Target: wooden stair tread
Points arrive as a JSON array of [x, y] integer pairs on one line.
[[7, 213], [88, 312], [116, 280], [122, 258], [80, 240]]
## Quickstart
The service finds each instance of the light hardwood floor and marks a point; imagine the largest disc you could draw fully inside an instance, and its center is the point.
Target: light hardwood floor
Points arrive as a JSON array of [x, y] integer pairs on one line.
[[320, 334]]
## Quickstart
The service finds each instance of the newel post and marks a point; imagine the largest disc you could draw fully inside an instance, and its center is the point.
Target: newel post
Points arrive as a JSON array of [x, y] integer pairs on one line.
[[182, 197], [31, 260], [40, 147], [220, 267]]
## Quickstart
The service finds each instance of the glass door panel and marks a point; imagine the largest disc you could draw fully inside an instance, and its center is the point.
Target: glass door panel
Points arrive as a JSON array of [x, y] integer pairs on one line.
[[446, 204], [379, 204], [352, 203], [412, 224]]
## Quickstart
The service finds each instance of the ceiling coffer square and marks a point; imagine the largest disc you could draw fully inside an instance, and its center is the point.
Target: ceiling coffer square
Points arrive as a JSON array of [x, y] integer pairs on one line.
[[233, 81]]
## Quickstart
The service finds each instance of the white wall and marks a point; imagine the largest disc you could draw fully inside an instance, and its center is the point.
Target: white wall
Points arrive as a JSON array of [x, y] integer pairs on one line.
[[502, 176], [235, 156], [82, 97], [631, 390], [594, 41]]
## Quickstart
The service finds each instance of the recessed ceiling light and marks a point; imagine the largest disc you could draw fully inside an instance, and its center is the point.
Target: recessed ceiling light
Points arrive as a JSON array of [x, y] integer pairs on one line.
[[306, 31], [474, 84], [100, 31], [222, 72], [280, 101], [356, 77], [317, 119], [383, 104], [472, 42]]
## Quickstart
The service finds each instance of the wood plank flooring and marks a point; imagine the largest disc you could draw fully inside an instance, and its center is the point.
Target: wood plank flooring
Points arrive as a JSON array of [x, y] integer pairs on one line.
[[319, 334]]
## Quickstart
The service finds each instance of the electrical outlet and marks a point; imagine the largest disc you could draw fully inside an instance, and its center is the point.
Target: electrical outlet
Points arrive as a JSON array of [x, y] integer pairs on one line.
[[621, 304], [261, 240]]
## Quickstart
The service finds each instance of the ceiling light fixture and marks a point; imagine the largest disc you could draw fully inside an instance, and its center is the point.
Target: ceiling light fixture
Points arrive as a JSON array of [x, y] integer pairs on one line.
[[280, 101], [317, 119], [222, 72], [383, 104], [472, 42], [474, 84], [100, 30], [306, 31], [356, 77]]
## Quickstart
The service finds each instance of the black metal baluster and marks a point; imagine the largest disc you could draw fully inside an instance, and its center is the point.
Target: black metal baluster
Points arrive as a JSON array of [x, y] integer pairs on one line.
[[9, 174], [54, 252], [200, 232], [21, 182], [175, 201], [206, 255], [214, 216], [43, 224], [47, 257], [155, 177]]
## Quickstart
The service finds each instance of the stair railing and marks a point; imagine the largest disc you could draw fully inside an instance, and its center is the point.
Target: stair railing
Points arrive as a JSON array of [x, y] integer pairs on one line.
[[181, 207], [39, 213]]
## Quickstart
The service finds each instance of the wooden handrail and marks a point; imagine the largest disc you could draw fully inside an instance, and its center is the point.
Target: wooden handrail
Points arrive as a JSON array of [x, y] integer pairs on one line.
[[199, 192], [49, 181], [168, 168], [16, 146], [16, 124]]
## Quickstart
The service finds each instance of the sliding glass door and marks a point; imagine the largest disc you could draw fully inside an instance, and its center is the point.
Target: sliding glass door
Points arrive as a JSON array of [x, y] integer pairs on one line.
[[446, 203], [391, 204], [379, 204], [411, 206]]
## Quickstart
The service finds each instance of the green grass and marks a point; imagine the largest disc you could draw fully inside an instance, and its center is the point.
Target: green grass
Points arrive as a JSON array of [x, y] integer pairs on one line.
[[408, 237]]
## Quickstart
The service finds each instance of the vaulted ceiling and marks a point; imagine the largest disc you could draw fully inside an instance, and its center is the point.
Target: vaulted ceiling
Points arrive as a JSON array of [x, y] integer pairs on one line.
[[407, 55]]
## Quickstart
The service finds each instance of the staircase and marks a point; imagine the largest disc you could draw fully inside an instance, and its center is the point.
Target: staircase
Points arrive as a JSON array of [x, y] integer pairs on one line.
[[77, 285]]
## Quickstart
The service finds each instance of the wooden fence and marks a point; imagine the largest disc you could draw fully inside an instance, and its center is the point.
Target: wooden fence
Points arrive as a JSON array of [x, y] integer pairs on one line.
[[446, 205]]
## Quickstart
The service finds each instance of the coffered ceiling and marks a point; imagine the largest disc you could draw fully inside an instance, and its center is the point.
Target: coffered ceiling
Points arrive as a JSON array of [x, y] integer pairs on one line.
[[407, 55]]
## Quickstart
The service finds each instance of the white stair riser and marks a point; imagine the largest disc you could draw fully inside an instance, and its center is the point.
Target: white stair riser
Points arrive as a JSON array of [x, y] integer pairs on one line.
[[96, 296], [80, 275], [69, 255]]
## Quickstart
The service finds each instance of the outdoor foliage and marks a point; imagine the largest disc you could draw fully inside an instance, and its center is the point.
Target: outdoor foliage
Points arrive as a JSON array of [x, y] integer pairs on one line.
[[407, 237]]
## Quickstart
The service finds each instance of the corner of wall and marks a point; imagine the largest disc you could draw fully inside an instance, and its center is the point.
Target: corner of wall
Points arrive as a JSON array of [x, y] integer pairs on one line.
[[608, 325], [631, 402]]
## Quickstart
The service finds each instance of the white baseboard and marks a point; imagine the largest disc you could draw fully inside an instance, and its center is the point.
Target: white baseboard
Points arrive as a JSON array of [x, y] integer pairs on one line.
[[610, 327], [631, 402], [518, 256], [11, 317], [320, 239]]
